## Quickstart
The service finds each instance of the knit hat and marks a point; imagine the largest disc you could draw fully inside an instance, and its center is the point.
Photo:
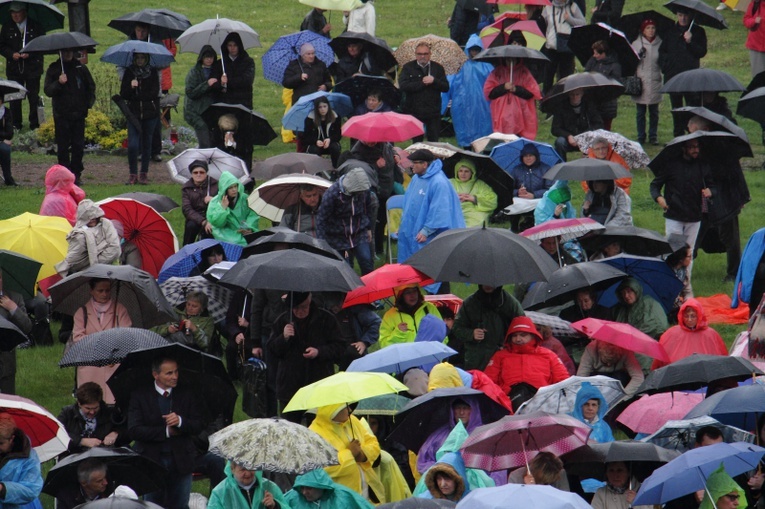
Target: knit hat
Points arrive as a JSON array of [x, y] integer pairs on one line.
[[305, 48], [422, 155], [523, 324], [198, 163], [646, 22], [355, 181]]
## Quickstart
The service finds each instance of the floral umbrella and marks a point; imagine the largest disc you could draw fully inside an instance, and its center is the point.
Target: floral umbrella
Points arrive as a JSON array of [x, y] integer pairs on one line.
[[631, 151], [444, 51]]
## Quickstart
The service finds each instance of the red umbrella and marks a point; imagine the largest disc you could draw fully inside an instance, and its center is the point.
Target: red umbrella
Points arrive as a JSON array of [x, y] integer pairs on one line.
[[568, 229], [622, 335], [47, 435], [524, 2], [380, 127], [649, 413], [146, 228], [380, 283]]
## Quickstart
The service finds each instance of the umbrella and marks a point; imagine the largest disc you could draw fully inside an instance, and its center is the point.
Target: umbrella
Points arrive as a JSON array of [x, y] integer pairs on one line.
[[697, 371], [10, 335], [294, 240], [560, 398], [622, 335], [649, 413], [497, 54], [19, 273], [497, 34], [215, 272], [658, 280], [524, 495], [292, 162], [146, 228], [701, 13], [214, 32], [719, 122], [633, 240], [593, 83], [566, 229], [513, 440], [631, 151], [158, 202], [119, 503], [400, 357], [45, 432], [287, 48], [739, 407], [484, 256], [163, 23], [630, 23], [680, 435], [443, 51], [559, 326], [122, 54], [508, 155], [272, 197], [377, 48], [250, 121], [109, 347], [343, 387], [388, 126], [752, 105], [274, 445], [219, 298], [582, 38], [333, 5], [359, 86], [384, 404], [125, 468], [295, 117], [51, 44], [189, 257], [419, 503], [642, 458], [427, 413], [487, 170], [710, 142], [702, 80], [587, 169], [11, 91], [381, 282], [563, 284], [217, 161], [44, 13], [688, 472], [292, 270], [133, 288]]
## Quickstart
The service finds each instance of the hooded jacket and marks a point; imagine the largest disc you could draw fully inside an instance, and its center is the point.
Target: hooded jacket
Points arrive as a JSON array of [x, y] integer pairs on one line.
[[88, 246], [531, 177], [601, 431], [620, 209], [719, 483], [680, 342], [199, 94], [591, 364], [428, 453], [142, 100], [449, 471], [20, 474], [470, 109], [335, 496], [390, 333], [344, 220], [228, 494], [240, 73], [227, 222], [475, 214], [61, 194], [73, 99], [646, 314], [513, 112]]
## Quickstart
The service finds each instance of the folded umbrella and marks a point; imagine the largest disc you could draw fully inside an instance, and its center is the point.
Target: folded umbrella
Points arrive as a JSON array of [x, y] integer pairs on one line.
[[640, 457], [649, 413], [255, 125], [700, 13], [45, 432], [292, 162], [587, 169], [271, 198], [158, 202], [343, 387], [295, 117], [294, 240], [162, 23], [381, 283], [583, 37], [657, 279], [680, 435], [633, 240], [740, 407], [401, 357], [219, 298], [443, 51], [697, 371], [358, 87], [217, 161], [702, 80], [622, 335], [109, 347], [563, 284], [189, 257], [44, 13], [560, 398], [524, 495], [386, 127], [213, 32], [378, 49], [122, 54], [631, 151], [287, 48], [508, 155]]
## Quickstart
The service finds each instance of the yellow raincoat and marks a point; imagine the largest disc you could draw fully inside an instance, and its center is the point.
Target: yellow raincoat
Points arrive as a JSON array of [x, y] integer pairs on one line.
[[444, 375]]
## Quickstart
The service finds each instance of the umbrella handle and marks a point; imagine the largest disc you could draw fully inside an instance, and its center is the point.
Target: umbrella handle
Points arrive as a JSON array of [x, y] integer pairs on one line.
[[525, 456]]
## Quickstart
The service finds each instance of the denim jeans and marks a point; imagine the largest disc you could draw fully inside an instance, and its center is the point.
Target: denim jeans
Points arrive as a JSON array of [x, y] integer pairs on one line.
[[562, 147], [140, 142], [653, 121], [363, 252]]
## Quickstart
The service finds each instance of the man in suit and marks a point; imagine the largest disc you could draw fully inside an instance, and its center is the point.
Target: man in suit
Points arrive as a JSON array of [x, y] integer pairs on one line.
[[162, 419], [12, 309]]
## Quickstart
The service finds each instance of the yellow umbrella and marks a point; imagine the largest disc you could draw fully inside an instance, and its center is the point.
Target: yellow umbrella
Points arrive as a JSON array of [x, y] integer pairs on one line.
[[42, 238], [343, 387]]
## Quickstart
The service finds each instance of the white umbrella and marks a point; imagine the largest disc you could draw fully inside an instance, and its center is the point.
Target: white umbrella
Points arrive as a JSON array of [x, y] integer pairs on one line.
[[217, 161], [560, 398], [631, 151], [45, 432], [213, 32], [271, 198]]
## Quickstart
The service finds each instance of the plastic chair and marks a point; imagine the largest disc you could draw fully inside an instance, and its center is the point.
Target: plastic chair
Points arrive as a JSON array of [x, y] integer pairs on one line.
[[394, 202]]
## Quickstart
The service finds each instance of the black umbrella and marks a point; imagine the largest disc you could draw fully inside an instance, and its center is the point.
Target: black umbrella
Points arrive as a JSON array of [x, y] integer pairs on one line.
[[587, 169], [717, 122], [251, 122], [630, 23], [752, 105], [425, 414], [125, 467], [562, 285], [11, 91], [44, 13], [710, 142], [633, 240], [163, 23], [10, 335], [135, 289], [53, 43], [594, 84], [582, 38], [701, 13], [702, 80], [357, 88], [293, 240], [487, 170], [291, 162], [697, 371], [381, 53], [203, 374], [19, 273], [641, 458], [158, 202], [498, 54], [484, 256], [420, 503], [110, 346]]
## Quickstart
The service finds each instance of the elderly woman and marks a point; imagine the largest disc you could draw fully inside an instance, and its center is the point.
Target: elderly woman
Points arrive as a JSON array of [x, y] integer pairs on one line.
[[20, 475], [607, 204], [306, 74], [228, 213], [477, 199], [195, 328], [196, 193], [400, 323], [691, 335], [620, 489], [61, 194], [140, 89], [601, 149], [601, 358]]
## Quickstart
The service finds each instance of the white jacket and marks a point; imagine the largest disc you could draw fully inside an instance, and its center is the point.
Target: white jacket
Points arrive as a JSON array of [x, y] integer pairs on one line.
[[362, 19]]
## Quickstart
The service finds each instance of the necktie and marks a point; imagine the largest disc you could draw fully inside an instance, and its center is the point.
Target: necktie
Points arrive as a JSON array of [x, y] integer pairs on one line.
[[166, 394]]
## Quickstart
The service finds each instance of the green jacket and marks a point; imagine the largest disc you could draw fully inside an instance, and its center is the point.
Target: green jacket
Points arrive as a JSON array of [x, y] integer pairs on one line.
[[335, 496], [200, 339], [199, 95], [228, 495], [646, 314], [227, 222]]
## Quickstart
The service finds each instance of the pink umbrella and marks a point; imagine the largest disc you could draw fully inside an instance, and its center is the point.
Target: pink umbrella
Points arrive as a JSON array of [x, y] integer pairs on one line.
[[380, 127], [513, 440], [649, 413], [567, 229], [622, 335]]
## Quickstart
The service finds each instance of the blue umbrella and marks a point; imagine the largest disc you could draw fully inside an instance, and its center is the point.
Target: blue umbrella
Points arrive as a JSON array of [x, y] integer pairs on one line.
[[294, 119], [400, 357], [658, 280], [287, 48], [739, 407], [688, 472], [522, 495], [508, 155], [188, 258], [122, 54]]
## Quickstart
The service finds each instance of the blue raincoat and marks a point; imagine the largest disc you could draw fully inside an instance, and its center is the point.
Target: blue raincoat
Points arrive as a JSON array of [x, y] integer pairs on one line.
[[746, 271], [470, 109], [20, 474], [601, 431]]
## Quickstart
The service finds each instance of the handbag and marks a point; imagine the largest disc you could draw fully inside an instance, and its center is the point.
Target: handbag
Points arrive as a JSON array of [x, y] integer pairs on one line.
[[561, 40], [633, 85]]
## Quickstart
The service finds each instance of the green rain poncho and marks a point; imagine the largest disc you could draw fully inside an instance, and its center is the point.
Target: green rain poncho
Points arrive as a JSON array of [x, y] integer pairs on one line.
[[646, 314], [228, 222], [486, 199], [228, 495], [719, 483], [335, 496]]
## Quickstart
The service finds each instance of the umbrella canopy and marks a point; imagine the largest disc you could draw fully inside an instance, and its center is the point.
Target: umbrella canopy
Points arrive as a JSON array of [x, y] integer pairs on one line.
[[378, 49], [563, 284], [219, 298], [10, 335], [739, 407], [622, 335], [642, 458], [400, 357], [217, 161], [752, 105], [214, 32], [292, 162], [631, 151], [295, 117], [19, 273], [702, 80], [343, 387], [163, 23], [658, 280], [583, 37], [701, 13], [381, 282], [593, 83], [259, 128], [497, 54], [388, 126], [11, 91], [718, 122], [119, 503], [680, 435], [384, 404], [514, 440], [272, 197], [587, 169], [649, 413], [508, 155], [566, 229], [697, 371], [287, 48], [45, 432], [560, 398], [498, 33], [125, 468], [122, 54], [158, 202], [484, 256], [274, 445], [630, 23], [294, 240], [44, 13], [419, 503], [135, 289], [333, 5], [109, 347], [53, 43], [559, 326], [524, 495], [710, 142], [359, 86], [487, 170], [443, 51], [146, 228], [633, 240], [189, 257]]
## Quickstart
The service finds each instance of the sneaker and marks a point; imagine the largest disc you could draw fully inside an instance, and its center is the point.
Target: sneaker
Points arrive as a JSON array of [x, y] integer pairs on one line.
[[721, 7], [143, 179], [132, 180], [156, 158]]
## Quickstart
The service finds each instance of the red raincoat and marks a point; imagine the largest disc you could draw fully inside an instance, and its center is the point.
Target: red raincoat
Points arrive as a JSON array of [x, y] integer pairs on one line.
[[509, 113]]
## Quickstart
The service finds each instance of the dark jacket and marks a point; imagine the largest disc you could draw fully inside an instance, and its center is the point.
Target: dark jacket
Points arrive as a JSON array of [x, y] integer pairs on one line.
[[12, 40], [315, 22], [318, 75], [344, 221], [609, 12], [422, 101], [240, 74], [73, 99], [676, 56], [193, 199], [301, 218], [681, 182], [267, 306], [729, 188], [567, 122], [313, 132], [71, 495], [74, 423], [346, 66], [386, 174], [610, 68], [6, 125], [199, 95], [144, 99]]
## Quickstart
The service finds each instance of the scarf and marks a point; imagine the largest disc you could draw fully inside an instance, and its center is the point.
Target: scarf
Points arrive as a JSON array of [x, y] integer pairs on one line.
[[140, 73], [100, 309]]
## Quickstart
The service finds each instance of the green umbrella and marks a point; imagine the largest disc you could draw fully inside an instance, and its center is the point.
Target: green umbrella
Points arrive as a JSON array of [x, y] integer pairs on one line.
[[385, 404], [19, 273], [45, 14]]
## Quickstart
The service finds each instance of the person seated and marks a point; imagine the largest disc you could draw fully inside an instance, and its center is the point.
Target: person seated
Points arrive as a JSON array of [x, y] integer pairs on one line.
[[444, 482], [301, 217], [315, 489], [545, 469], [620, 489], [556, 204], [90, 422], [585, 306], [607, 204], [20, 475], [209, 257], [553, 344], [639, 310], [602, 149], [601, 358], [92, 484], [554, 247], [229, 214], [679, 261], [321, 131], [373, 103], [590, 407], [400, 323], [196, 326], [528, 174], [464, 410], [131, 254], [61, 194], [607, 251], [576, 115], [196, 193], [381, 426], [92, 240], [245, 489], [477, 199]]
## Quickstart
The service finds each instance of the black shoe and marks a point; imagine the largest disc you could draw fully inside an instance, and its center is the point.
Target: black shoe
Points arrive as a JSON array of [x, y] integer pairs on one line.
[[655, 142], [729, 279], [10, 182], [157, 158]]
